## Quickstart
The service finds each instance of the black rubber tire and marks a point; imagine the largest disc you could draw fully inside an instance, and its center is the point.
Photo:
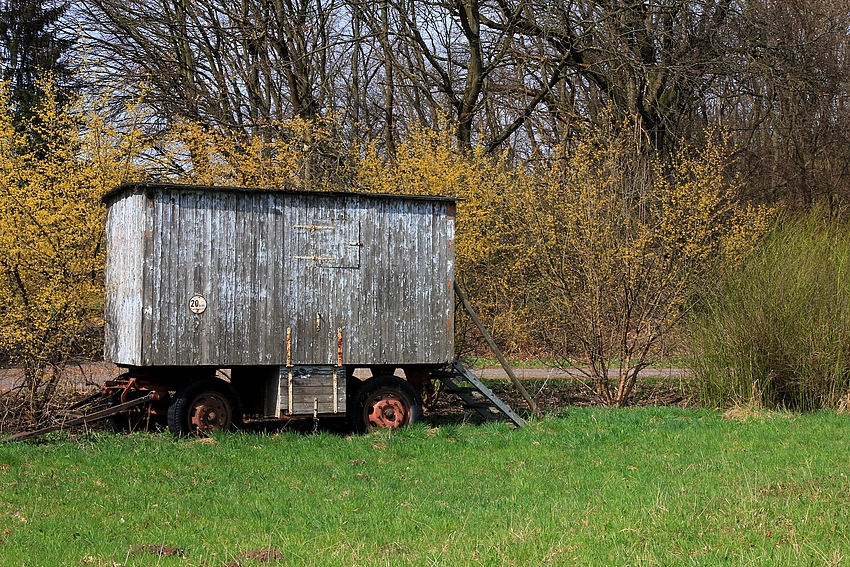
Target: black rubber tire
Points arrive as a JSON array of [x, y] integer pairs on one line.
[[207, 390], [352, 386], [391, 393]]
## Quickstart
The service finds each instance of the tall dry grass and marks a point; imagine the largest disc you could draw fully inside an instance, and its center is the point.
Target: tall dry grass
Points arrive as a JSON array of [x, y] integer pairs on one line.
[[776, 331]]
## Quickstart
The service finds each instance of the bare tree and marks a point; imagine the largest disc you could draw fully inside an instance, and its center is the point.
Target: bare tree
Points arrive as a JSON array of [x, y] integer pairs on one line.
[[788, 100], [237, 66], [649, 61], [516, 75]]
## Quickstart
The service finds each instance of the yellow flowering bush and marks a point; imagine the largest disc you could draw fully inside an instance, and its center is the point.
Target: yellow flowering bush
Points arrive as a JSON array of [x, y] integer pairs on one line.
[[53, 171], [290, 154], [618, 242], [589, 258]]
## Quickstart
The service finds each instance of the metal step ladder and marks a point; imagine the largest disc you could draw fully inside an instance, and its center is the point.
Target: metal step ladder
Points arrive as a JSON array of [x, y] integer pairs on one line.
[[458, 380]]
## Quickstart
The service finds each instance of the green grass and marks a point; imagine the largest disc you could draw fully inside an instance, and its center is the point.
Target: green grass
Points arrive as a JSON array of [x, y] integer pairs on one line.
[[641, 486]]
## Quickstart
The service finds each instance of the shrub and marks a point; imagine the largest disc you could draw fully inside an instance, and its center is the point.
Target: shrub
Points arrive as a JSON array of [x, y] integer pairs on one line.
[[776, 331], [618, 241], [54, 167]]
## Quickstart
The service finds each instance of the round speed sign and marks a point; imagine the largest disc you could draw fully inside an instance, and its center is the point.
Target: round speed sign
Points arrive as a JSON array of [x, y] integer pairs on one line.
[[197, 304]]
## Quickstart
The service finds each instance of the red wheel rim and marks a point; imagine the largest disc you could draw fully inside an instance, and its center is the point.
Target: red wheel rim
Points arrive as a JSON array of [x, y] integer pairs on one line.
[[387, 409], [210, 412]]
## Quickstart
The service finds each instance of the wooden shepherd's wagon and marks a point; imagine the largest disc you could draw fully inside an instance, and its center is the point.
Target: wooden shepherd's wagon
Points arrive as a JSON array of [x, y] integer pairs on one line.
[[227, 302]]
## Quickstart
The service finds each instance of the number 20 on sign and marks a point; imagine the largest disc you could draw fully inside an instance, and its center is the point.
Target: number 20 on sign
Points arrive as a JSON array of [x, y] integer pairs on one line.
[[197, 304]]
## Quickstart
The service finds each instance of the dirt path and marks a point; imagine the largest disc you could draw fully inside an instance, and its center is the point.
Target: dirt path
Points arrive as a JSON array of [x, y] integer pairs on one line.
[[80, 377], [83, 376], [559, 374]]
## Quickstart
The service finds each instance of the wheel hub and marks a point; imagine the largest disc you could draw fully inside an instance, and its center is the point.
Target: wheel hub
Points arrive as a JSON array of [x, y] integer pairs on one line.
[[387, 411], [209, 412]]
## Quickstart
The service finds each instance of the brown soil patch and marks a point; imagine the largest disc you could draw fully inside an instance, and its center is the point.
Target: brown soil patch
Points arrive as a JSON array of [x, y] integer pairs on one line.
[[159, 550]]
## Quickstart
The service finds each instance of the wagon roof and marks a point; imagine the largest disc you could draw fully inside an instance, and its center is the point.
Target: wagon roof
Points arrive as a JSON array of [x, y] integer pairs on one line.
[[133, 187]]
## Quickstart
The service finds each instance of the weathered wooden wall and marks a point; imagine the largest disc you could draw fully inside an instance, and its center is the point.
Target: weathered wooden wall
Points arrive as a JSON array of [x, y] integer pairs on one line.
[[124, 278], [378, 267]]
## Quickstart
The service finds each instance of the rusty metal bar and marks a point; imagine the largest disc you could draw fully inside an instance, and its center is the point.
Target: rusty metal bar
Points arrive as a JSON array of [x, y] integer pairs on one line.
[[98, 415], [288, 347], [288, 374], [339, 346], [336, 369], [501, 358]]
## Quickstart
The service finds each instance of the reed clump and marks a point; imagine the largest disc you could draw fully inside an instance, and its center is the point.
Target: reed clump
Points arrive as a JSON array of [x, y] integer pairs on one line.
[[775, 331]]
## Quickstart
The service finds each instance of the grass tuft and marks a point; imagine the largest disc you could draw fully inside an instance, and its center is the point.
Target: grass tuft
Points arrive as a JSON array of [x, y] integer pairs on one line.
[[776, 332]]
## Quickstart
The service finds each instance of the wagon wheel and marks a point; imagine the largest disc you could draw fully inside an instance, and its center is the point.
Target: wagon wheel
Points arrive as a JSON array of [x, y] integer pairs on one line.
[[385, 402], [204, 406]]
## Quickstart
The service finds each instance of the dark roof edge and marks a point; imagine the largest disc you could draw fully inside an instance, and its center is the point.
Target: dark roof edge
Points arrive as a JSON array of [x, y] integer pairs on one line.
[[143, 186]]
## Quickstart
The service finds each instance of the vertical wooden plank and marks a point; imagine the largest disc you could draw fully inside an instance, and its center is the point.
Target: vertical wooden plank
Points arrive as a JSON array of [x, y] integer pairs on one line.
[[450, 276], [347, 289], [277, 285], [385, 268], [406, 295], [420, 273], [431, 281], [153, 241], [210, 211], [245, 242], [180, 269], [173, 284], [434, 284], [242, 290], [116, 254], [278, 278], [114, 292], [419, 319], [123, 279], [165, 320], [295, 275], [259, 220], [224, 268], [261, 321], [134, 310], [366, 325], [399, 277], [206, 208], [163, 311]]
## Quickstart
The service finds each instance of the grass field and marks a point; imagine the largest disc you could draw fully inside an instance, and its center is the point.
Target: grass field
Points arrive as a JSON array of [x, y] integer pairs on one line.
[[641, 486]]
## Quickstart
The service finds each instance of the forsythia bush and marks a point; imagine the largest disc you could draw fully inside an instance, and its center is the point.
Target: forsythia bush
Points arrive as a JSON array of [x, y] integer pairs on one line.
[[52, 174], [618, 243], [590, 258], [292, 154]]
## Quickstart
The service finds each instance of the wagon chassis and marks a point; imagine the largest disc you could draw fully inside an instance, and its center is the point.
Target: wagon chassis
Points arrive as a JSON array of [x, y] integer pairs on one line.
[[132, 393]]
